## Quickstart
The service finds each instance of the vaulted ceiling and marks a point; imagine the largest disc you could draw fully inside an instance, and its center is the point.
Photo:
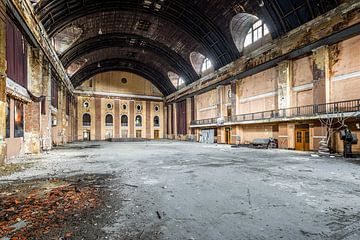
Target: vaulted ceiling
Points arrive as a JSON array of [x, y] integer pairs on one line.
[[153, 37]]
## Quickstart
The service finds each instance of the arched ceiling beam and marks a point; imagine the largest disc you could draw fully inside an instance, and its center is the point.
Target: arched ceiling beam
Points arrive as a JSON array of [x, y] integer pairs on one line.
[[117, 64], [119, 40], [55, 15]]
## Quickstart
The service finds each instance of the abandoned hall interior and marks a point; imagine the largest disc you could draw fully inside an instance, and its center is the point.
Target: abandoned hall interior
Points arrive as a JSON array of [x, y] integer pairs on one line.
[[251, 77]]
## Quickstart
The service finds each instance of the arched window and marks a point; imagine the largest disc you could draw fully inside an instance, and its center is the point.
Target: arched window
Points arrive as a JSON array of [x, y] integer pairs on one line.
[[200, 63], [256, 32], [66, 38], [109, 120], [124, 121], [138, 121], [156, 121], [206, 65], [86, 120], [176, 80], [246, 29]]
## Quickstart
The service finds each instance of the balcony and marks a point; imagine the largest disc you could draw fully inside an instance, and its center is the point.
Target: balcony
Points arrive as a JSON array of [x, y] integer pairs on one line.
[[328, 110]]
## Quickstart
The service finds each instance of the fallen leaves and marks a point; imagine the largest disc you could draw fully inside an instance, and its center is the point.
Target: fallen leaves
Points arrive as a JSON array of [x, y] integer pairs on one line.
[[43, 206]]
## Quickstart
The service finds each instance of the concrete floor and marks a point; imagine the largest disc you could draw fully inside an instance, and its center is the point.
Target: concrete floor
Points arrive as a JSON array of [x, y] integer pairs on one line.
[[177, 190]]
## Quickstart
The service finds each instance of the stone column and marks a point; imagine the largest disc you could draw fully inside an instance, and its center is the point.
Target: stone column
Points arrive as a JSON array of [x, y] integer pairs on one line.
[[46, 117], [117, 118], [170, 121], [233, 98], [219, 101], [284, 85], [174, 108], [32, 136], [2, 82], [148, 120], [166, 122], [97, 119], [188, 116], [132, 119], [321, 74]]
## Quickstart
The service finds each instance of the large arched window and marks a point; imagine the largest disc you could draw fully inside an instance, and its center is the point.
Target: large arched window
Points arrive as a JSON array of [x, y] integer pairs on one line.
[[176, 80], [109, 120], [66, 38], [247, 29], [256, 32], [206, 65], [124, 121], [86, 120], [201, 64], [138, 121], [156, 121]]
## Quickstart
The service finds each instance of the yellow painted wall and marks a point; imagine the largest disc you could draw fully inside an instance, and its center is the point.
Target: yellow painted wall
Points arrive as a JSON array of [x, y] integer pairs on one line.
[[112, 82]]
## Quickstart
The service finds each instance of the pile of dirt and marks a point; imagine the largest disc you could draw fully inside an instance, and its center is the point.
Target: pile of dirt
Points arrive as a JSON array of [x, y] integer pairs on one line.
[[51, 208]]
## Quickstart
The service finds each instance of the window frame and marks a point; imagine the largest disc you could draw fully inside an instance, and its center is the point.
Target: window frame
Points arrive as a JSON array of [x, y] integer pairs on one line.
[[127, 121], [109, 124], [136, 124], [89, 122], [258, 25]]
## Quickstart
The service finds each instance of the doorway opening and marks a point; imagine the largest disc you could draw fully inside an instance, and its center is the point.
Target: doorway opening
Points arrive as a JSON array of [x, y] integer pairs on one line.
[[156, 134], [138, 134], [228, 135], [86, 135], [302, 138]]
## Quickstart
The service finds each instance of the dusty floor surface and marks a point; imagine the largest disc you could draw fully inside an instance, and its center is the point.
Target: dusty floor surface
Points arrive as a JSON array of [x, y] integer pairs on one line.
[[173, 190]]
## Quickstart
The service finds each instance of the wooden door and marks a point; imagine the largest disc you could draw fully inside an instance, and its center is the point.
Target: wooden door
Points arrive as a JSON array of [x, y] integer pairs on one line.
[[228, 136], [138, 134], [302, 139], [156, 134]]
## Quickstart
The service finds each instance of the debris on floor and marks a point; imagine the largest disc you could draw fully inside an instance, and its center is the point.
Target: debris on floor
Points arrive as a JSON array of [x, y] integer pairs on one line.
[[11, 168], [48, 208]]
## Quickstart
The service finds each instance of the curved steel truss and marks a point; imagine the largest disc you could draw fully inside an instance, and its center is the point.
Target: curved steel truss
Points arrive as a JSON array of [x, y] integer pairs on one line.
[[171, 29]]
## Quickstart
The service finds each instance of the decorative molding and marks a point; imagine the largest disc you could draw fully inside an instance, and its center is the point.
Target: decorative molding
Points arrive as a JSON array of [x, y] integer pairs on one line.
[[208, 108], [345, 76], [264, 95], [304, 87], [122, 95]]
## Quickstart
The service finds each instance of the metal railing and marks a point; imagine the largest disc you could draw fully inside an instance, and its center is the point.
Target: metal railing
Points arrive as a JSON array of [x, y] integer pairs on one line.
[[304, 111]]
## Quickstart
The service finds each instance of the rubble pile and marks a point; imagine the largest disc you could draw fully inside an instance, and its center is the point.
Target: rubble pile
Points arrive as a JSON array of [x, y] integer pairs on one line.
[[39, 208]]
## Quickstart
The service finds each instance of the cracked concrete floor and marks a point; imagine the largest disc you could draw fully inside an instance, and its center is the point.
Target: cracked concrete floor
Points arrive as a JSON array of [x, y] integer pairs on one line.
[[178, 190]]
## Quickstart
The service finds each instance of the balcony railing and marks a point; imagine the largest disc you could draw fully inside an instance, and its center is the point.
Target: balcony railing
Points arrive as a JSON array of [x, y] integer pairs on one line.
[[304, 111]]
